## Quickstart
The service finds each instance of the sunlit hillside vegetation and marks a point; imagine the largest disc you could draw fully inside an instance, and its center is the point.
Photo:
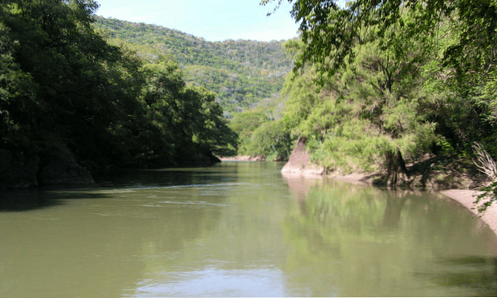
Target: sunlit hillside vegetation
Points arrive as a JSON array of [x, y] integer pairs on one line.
[[241, 72]]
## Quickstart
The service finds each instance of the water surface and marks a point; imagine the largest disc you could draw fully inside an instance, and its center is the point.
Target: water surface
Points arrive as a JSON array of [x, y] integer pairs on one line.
[[240, 229]]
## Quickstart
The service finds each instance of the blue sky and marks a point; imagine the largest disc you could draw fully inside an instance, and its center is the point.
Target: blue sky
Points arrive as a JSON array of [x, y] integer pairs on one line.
[[213, 20]]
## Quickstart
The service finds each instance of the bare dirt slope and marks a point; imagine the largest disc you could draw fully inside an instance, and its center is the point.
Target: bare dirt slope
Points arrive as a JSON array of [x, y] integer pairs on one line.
[[299, 161]]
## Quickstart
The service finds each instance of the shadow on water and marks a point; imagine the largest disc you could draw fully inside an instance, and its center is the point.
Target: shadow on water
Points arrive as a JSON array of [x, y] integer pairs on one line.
[[478, 273], [166, 177], [27, 200]]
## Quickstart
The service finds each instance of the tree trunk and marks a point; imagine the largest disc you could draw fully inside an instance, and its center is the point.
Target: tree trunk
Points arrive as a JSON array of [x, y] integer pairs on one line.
[[396, 168]]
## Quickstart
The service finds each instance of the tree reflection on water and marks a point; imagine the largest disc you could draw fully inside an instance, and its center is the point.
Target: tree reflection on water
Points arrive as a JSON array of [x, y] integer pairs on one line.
[[387, 243]]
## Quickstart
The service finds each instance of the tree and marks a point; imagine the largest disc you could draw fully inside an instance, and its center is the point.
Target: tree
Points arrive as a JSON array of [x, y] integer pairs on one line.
[[436, 57], [188, 118], [17, 98], [244, 124], [74, 89], [461, 33], [272, 140], [330, 31], [62, 85]]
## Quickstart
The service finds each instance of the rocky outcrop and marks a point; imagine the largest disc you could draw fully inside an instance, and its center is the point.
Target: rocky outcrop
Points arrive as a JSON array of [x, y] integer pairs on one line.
[[299, 161], [18, 170]]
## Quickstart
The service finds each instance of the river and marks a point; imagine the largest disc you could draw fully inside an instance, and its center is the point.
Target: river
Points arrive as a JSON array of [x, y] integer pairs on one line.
[[240, 229]]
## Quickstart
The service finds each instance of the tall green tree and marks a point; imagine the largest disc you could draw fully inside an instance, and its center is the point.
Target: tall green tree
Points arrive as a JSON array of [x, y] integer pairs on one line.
[[188, 117], [430, 63], [72, 70], [64, 87], [331, 31], [17, 96], [260, 134]]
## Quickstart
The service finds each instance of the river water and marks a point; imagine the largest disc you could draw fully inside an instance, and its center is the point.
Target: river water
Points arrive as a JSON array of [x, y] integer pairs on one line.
[[240, 229]]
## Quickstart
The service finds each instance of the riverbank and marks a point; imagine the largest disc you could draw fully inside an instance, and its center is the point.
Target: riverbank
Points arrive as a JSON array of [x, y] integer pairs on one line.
[[243, 158], [449, 178]]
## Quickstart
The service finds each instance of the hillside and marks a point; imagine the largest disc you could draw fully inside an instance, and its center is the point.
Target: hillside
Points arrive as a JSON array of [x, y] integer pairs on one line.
[[241, 72]]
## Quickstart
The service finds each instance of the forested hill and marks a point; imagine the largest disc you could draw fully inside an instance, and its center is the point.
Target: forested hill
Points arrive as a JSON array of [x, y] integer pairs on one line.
[[241, 72]]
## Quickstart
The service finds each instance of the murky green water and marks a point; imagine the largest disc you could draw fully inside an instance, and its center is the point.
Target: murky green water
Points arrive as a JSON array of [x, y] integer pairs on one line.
[[240, 229]]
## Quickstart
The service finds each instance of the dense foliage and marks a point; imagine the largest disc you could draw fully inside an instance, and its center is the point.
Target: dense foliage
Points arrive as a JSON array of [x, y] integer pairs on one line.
[[63, 87], [241, 72], [261, 133], [380, 82]]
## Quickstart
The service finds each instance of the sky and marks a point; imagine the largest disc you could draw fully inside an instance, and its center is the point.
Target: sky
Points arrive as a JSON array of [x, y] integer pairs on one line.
[[213, 20]]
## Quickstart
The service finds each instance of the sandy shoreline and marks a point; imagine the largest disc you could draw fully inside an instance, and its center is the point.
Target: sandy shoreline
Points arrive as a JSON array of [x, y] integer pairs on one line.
[[242, 158]]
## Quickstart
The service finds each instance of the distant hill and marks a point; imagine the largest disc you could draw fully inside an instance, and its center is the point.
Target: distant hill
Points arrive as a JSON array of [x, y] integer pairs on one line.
[[242, 72]]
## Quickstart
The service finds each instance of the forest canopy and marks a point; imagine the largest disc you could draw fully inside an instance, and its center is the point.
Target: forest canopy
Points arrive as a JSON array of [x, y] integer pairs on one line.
[[377, 84], [64, 87]]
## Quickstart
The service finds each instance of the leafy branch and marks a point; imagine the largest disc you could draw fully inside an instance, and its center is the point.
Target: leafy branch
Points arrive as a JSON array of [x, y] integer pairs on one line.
[[485, 164]]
